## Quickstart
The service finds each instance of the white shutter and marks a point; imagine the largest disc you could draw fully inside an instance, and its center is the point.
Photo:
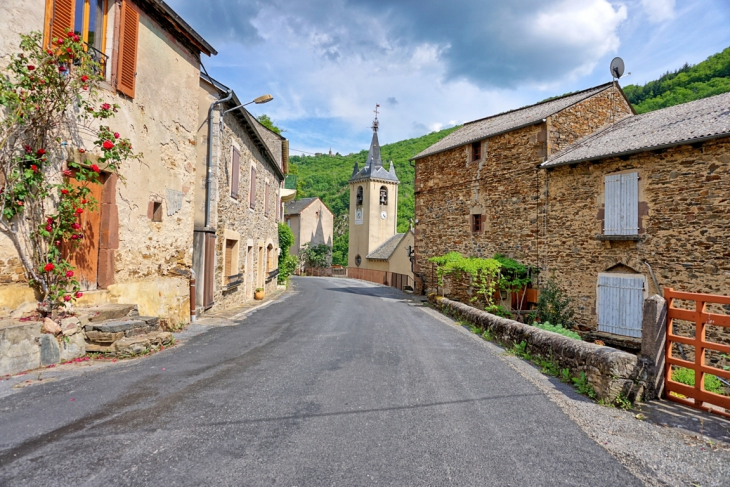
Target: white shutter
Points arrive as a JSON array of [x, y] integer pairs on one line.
[[630, 204], [612, 212], [620, 304]]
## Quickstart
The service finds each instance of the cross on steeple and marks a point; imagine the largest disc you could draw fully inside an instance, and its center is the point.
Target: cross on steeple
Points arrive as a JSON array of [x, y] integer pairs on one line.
[[375, 122]]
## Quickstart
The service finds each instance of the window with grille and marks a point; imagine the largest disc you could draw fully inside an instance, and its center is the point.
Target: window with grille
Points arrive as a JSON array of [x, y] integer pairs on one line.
[[477, 223], [620, 304], [621, 214]]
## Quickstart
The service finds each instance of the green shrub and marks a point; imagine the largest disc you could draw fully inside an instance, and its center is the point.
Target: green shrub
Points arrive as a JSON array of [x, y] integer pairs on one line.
[[686, 376], [553, 305], [287, 262], [557, 329]]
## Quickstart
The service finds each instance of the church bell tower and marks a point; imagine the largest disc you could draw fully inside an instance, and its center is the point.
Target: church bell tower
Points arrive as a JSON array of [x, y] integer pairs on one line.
[[373, 204]]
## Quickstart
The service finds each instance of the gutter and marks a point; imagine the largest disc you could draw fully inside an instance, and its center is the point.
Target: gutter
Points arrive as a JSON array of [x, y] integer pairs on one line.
[[209, 165], [637, 151]]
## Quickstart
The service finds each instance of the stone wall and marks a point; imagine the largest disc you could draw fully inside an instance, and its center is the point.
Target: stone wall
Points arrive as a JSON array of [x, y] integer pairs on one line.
[[611, 372], [255, 228]]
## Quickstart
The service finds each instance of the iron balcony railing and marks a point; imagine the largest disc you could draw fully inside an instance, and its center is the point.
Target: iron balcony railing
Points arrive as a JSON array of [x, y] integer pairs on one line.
[[98, 57]]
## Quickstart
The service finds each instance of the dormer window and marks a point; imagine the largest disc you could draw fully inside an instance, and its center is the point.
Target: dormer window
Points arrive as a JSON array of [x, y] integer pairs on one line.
[[383, 195], [358, 196]]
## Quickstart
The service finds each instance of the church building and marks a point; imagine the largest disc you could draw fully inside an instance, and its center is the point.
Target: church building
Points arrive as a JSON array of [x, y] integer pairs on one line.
[[375, 243]]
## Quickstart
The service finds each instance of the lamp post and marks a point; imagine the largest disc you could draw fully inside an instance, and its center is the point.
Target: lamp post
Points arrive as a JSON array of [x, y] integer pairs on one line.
[[258, 101]]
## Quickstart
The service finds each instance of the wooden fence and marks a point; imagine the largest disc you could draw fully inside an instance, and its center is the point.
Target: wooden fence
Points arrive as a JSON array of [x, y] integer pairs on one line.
[[700, 320]]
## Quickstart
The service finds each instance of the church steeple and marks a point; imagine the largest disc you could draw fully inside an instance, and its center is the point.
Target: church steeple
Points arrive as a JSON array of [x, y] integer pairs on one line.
[[373, 168]]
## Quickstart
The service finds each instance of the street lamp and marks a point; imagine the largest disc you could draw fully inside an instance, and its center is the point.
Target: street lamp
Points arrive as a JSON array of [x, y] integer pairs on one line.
[[258, 101]]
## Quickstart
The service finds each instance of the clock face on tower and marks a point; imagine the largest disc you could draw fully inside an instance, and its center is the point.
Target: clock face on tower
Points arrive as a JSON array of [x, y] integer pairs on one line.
[[383, 215]]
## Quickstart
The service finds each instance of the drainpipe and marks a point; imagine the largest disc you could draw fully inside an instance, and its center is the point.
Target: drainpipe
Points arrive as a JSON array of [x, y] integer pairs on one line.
[[653, 278], [209, 167]]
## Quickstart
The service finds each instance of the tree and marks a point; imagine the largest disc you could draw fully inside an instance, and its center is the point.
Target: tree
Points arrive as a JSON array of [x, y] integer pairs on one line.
[[317, 256], [268, 123], [48, 96]]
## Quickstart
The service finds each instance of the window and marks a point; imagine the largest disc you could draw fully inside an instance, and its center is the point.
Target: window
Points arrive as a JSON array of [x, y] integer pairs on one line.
[[621, 213], [231, 274], [477, 223], [252, 190], [270, 261], [87, 18], [476, 151], [358, 196], [383, 195], [620, 304], [358, 260], [156, 211], [235, 172]]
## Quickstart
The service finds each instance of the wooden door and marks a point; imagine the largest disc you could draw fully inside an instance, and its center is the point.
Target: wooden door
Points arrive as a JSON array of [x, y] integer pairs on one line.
[[85, 256]]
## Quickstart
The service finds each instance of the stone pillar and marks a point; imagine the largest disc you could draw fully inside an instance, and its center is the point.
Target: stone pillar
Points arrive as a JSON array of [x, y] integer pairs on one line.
[[653, 342]]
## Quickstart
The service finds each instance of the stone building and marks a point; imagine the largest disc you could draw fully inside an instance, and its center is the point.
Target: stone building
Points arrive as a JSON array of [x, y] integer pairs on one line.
[[374, 217], [585, 190], [236, 243], [140, 239], [310, 221], [638, 207]]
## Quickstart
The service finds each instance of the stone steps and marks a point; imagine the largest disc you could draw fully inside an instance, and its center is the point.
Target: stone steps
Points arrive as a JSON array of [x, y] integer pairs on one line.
[[115, 335]]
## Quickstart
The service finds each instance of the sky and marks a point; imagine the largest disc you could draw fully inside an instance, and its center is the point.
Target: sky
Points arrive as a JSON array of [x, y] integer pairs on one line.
[[434, 64]]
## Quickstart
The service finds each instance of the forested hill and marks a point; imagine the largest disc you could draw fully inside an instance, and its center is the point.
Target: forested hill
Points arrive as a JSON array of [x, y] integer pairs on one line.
[[326, 177], [688, 83]]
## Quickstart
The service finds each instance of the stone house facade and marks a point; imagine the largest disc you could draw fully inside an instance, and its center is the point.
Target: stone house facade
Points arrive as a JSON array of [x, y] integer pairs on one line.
[[151, 58], [237, 250], [645, 202], [310, 221], [554, 195]]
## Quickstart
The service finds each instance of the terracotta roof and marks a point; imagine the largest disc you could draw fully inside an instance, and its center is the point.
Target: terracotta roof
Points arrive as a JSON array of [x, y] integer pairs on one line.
[[508, 121], [385, 251], [297, 206], [681, 124]]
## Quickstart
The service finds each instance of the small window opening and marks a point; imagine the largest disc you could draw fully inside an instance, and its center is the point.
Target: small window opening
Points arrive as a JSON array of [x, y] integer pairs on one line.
[[358, 198], [383, 195], [477, 223], [358, 260], [156, 211], [476, 151]]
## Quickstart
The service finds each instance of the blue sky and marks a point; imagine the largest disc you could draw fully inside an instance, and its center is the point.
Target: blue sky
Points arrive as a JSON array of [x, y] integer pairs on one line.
[[435, 64]]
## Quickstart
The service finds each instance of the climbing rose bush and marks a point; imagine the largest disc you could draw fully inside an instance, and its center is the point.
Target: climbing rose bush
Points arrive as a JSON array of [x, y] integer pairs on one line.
[[48, 98]]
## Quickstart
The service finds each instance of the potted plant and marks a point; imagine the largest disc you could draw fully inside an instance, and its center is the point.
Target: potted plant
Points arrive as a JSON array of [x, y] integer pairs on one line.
[[259, 293]]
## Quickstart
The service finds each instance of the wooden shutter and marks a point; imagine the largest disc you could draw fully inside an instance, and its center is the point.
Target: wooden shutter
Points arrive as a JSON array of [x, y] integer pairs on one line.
[[620, 305], [228, 265], [60, 20], [235, 171], [252, 191], [127, 62], [621, 215]]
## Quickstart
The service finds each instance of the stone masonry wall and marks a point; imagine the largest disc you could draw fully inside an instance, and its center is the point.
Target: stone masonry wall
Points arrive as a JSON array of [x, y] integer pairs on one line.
[[254, 226]]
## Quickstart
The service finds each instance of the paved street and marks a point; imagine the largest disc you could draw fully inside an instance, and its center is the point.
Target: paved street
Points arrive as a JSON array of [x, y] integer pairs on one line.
[[339, 382]]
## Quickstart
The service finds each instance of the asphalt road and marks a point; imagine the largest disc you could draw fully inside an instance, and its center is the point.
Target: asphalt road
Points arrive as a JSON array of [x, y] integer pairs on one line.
[[338, 383]]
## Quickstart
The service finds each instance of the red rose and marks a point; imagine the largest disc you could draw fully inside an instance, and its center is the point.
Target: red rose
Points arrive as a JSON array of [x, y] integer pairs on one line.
[[116, 135], [107, 144], [68, 49], [34, 168], [64, 191], [74, 237], [95, 168], [49, 220], [105, 106], [62, 69], [79, 211], [31, 67], [49, 267], [84, 78], [40, 152], [69, 273], [67, 297], [82, 151], [86, 87], [59, 41], [75, 226], [28, 149], [79, 294], [58, 243], [76, 38], [68, 173], [49, 52], [70, 33], [20, 203], [49, 228], [83, 202]]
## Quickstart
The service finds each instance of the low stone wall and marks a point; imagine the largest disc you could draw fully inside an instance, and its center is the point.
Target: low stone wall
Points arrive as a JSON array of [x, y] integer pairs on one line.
[[611, 372]]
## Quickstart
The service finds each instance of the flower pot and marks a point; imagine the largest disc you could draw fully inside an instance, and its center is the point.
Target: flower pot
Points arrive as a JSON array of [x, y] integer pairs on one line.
[[258, 295]]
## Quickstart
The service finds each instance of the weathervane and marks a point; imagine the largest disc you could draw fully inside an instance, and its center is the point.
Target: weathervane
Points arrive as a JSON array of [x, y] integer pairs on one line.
[[375, 122]]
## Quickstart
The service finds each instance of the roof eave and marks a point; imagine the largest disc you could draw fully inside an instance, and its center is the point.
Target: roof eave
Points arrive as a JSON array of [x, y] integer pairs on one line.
[[182, 27], [697, 140]]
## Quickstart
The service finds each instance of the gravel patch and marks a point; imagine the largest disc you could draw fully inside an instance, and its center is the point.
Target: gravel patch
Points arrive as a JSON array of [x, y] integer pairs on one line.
[[661, 455]]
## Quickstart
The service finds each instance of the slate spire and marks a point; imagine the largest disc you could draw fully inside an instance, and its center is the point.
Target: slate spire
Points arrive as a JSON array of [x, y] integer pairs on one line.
[[373, 168]]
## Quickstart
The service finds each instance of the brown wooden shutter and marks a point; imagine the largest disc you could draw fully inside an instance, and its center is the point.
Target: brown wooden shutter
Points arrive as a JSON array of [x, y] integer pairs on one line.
[[252, 192], [127, 63], [235, 170], [60, 20]]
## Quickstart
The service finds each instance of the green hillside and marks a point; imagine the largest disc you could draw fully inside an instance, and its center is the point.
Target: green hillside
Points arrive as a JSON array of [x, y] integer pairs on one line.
[[326, 177], [688, 83]]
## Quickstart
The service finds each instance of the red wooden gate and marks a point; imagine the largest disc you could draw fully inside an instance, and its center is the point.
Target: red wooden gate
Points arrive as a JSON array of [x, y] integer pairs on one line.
[[697, 395]]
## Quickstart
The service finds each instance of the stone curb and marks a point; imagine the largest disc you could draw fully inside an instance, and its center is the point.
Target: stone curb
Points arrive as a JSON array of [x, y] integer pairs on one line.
[[611, 372]]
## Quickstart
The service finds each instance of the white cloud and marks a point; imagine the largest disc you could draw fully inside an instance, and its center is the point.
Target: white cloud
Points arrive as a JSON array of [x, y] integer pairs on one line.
[[659, 10]]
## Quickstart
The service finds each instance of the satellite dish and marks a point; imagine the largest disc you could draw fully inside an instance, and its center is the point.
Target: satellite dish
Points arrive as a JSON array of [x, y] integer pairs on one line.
[[617, 67]]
